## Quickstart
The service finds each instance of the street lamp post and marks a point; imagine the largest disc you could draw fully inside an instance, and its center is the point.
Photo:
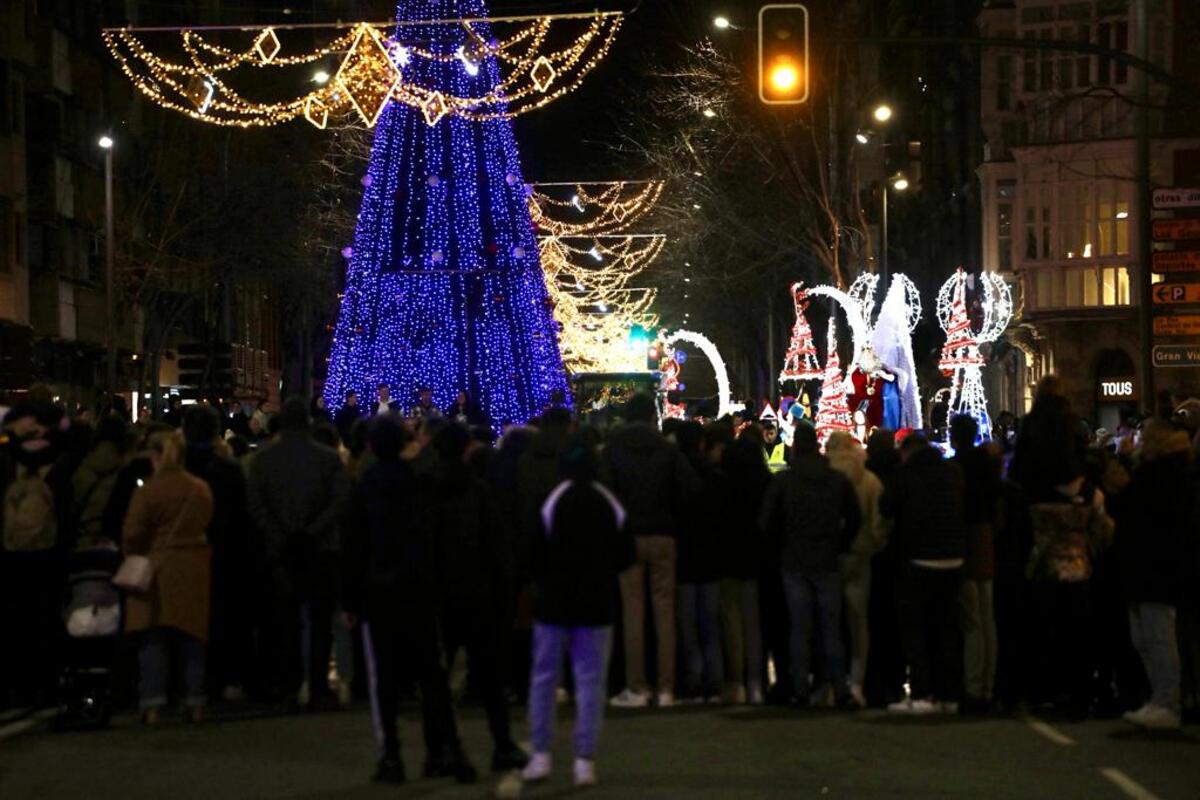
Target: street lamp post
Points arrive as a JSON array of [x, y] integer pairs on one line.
[[900, 184], [106, 143]]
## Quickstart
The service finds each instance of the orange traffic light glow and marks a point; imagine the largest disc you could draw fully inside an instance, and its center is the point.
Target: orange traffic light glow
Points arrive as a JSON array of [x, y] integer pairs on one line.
[[785, 77]]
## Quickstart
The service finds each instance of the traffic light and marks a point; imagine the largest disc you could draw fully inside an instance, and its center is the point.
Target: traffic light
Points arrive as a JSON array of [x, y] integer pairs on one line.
[[653, 358], [783, 54]]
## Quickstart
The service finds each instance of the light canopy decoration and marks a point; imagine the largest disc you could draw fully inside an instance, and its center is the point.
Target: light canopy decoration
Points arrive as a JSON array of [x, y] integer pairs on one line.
[[800, 363], [590, 268], [961, 360], [444, 288], [537, 60]]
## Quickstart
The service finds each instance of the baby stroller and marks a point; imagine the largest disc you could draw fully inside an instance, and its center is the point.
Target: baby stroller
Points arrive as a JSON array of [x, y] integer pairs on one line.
[[92, 615]]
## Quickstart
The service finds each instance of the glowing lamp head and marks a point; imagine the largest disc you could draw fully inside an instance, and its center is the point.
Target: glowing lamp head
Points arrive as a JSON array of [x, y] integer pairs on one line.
[[106, 142], [320, 77], [722, 23], [861, 138], [882, 112], [900, 184]]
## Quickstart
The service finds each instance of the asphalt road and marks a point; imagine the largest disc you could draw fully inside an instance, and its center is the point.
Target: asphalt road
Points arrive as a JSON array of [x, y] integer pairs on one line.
[[677, 753]]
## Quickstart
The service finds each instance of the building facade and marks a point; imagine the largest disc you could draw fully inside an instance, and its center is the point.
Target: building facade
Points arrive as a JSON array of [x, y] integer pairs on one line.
[[1060, 216]]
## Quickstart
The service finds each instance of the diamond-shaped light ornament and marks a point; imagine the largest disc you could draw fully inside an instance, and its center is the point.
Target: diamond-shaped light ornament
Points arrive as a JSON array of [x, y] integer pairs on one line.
[[543, 74], [619, 212], [434, 108], [316, 112], [268, 46], [367, 75]]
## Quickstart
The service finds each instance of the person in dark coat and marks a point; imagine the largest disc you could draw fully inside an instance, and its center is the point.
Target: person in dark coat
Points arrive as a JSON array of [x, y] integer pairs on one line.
[[582, 548], [925, 499], [981, 482], [884, 682], [698, 569], [236, 557], [474, 571], [654, 482], [811, 515], [1154, 529], [346, 416], [295, 490], [1051, 446], [466, 411], [742, 554], [389, 582]]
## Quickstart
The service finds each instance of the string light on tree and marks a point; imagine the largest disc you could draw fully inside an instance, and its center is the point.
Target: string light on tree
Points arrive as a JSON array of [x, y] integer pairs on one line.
[[961, 360]]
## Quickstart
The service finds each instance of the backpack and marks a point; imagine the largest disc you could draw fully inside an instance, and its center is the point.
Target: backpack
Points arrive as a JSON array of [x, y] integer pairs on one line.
[[30, 521]]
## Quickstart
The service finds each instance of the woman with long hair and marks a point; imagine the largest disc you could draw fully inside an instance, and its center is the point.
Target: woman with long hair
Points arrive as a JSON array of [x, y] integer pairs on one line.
[[167, 522]]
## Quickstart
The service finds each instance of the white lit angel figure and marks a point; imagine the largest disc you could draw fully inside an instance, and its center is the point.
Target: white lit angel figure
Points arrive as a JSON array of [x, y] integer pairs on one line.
[[961, 360], [884, 391]]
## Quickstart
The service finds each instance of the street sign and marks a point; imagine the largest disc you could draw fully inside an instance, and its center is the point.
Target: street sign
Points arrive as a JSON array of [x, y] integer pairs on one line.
[[1176, 197], [1166, 294], [1177, 261], [1181, 325], [1174, 230], [1176, 355]]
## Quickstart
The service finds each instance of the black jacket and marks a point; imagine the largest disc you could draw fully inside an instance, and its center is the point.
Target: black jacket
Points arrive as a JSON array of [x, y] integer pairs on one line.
[[925, 498], [698, 558], [472, 550], [740, 538], [344, 421], [1155, 530], [1050, 449], [811, 514], [650, 477], [387, 546], [295, 489], [582, 549]]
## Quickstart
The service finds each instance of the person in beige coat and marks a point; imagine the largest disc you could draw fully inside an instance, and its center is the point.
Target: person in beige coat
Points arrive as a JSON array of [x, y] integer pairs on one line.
[[167, 520], [848, 457]]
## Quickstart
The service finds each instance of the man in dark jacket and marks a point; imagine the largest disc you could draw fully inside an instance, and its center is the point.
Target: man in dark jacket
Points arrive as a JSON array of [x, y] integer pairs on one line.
[[474, 572], [236, 557], [925, 499], [1051, 446], [295, 490], [811, 514], [654, 482], [346, 416], [389, 584]]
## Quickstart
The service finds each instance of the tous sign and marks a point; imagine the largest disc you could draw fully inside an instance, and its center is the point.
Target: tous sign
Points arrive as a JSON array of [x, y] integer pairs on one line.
[[1117, 389]]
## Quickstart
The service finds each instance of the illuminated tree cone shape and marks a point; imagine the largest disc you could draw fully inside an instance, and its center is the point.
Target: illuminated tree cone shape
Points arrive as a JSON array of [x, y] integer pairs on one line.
[[800, 363], [444, 287], [961, 360], [833, 413]]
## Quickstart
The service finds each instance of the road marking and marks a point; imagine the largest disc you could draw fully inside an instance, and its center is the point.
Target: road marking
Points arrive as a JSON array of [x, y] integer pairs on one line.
[[33, 720], [1051, 733], [1128, 785]]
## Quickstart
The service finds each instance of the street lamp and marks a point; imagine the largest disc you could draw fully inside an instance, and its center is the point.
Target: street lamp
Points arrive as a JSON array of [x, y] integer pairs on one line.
[[722, 23], [861, 138], [899, 184], [320, 77], [882, 112], [106, 144]]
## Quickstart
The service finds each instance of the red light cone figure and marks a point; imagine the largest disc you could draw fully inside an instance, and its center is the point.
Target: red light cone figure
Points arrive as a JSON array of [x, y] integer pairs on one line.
[[833, 413], [800, 363]]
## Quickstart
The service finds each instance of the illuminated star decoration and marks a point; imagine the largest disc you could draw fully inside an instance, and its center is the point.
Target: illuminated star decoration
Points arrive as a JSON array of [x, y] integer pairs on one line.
[[530, 66], [961, 360]]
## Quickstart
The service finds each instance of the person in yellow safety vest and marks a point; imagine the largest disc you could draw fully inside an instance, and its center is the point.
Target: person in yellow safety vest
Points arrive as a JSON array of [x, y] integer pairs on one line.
[[775, 451]]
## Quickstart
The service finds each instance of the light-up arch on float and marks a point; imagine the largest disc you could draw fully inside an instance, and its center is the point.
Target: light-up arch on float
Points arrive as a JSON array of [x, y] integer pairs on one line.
[[854, 316], [705, 345]]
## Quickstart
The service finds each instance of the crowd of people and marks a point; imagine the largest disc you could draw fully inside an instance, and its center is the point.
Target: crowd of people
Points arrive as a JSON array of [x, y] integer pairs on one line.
[[302, 560]]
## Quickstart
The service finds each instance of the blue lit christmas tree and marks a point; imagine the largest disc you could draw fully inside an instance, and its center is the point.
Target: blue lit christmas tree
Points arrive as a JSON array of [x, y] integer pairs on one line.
[[444, 287]]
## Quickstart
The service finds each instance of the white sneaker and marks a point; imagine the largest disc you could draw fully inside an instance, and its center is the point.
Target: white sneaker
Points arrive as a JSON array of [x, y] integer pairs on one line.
[[628, 698], [918, 707], [1136, 716], [585, 773], [538, 768], [1155, 717], [665, 699]]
